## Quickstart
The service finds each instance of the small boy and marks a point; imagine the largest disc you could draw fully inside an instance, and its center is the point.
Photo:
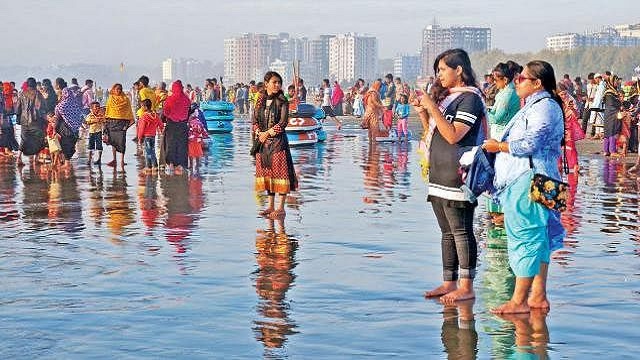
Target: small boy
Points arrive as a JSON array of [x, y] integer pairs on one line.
[[148, 126], [95, 120]]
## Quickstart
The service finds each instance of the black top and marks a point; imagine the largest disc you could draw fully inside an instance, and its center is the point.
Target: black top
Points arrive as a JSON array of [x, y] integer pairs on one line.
[[444, 178]]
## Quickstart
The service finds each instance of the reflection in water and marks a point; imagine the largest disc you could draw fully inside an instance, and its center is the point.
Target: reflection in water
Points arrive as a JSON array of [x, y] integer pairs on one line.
[[184, 200], [459, 335], [275, 256], [149, 202], [65, 209], [221, 151], [96, 204], [531, 335], [8, 202], [119, 207], [35, 195], [386, 173]]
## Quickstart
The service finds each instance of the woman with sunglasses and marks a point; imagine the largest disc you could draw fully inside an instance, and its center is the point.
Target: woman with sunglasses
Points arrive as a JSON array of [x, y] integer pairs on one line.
[[453, 121], [533, 231]]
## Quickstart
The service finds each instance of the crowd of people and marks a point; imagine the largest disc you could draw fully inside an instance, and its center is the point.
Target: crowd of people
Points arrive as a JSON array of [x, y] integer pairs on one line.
[[521, 117]]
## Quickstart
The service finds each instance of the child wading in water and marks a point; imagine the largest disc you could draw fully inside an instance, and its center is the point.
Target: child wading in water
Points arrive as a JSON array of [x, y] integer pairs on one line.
[[402, 112], [148, 126], [53, 141], [95, 120], [197, 134]]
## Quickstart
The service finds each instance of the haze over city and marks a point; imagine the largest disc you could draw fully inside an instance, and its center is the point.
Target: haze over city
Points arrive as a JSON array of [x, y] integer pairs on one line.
[[74, 31]]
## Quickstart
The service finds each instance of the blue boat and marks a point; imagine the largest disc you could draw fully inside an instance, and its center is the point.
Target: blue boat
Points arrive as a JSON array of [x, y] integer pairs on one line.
[[218, 115]]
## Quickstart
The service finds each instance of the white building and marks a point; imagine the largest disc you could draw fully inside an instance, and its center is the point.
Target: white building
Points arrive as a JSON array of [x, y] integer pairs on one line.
[[168, 70], [284, 68], [247, 57], [618, 36], [189, 70], [407, 67], [436, 39], [353, 56]]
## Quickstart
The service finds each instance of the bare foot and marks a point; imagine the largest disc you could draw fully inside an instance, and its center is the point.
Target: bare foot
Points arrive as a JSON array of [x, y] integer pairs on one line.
[[441, 290], [511, 308], [265, 212], [458, 295], [538, 302]]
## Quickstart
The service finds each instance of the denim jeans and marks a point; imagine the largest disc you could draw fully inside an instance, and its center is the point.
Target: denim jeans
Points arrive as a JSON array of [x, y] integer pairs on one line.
[[150, 151], [459, 247]]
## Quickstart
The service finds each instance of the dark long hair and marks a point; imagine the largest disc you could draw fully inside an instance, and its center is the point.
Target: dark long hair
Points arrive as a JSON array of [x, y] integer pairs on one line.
[[504, 70], [543, 71], [454, 58]]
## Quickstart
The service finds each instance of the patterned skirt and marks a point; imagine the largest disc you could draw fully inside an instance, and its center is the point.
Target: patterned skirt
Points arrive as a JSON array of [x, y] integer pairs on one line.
[[279, 177]]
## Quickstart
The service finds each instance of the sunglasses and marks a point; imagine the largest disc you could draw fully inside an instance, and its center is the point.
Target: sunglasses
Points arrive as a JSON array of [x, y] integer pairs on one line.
[[520, 78]]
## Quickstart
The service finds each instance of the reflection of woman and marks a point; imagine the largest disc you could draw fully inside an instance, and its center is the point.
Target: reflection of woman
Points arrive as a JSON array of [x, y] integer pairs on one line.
[[31, 120], [118, 209], [118, 118], [531, 142], [274, 166], [455, 121], [69, 111], [459, 335], [275, 256]]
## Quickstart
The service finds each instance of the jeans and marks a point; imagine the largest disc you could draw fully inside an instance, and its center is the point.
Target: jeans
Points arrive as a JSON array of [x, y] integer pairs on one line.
[[459, 247], [150, 152]]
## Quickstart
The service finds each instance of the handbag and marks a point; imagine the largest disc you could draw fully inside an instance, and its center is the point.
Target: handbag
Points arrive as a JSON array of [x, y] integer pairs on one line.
[[479, 176], [547, 191]]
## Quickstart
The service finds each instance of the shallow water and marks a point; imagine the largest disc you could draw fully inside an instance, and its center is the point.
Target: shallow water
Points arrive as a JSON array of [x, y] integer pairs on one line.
[[110, 265]]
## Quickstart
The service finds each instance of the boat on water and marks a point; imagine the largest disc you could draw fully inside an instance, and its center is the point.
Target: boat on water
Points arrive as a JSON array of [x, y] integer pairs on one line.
[[218, 115]]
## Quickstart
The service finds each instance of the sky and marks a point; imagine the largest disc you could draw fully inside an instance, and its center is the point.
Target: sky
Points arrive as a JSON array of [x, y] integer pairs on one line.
[[45, 32]]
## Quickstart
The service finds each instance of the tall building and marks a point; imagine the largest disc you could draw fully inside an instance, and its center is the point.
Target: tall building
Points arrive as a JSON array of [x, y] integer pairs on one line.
[[190, 71], [284, 68], [353, 56], [436, 39], [407, 67], [618, 36], [168, 70], [316, 66], [247, 57]]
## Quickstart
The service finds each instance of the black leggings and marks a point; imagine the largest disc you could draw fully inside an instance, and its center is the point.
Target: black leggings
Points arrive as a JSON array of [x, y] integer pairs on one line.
[[459, 247]]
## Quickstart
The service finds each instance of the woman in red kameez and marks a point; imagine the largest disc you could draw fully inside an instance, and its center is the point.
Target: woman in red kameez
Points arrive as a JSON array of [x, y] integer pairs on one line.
[[274, 166]]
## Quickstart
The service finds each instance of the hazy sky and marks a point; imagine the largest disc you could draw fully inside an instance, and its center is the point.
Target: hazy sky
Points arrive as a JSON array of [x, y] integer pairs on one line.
[[42, 32]]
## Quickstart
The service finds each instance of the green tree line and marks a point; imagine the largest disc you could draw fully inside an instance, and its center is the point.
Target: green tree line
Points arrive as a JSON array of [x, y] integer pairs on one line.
[[577, 62]]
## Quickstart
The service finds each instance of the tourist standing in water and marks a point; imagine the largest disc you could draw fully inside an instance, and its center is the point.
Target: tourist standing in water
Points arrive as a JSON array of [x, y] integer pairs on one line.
[[530, 144], [31, 120], [454, 118], [118, 118], [70, 113], [176, 133], [274, 166]]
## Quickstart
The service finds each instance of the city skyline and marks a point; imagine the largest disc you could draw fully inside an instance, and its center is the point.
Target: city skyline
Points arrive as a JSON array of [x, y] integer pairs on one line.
[[72, 31]]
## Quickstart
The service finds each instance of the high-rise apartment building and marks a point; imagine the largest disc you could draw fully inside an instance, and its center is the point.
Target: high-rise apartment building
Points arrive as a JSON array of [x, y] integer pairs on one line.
[[436, 39], [191, 71], [353, 56], [407, 67], [247, 57], [618, 36]]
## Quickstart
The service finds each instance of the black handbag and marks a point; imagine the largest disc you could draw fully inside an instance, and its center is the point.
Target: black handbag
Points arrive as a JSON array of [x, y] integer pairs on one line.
[[547, 191]]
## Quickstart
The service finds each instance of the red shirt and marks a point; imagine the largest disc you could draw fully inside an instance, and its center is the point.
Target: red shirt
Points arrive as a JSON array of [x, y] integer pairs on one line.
[[148, 125]]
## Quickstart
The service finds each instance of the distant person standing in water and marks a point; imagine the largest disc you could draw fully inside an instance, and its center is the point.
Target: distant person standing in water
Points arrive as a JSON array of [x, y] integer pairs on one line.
[[118, 118], [274, 166]]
